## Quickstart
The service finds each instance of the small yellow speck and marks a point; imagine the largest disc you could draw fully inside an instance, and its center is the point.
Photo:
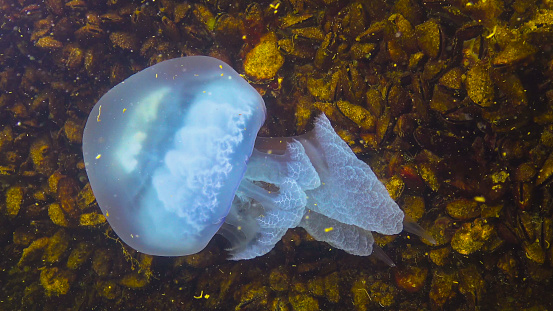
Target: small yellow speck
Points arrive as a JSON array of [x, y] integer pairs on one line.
[[222, 74], [480, 199], [244, 37], [124, 109], [99, 113], [107, 214], [201, 295], [221, 66], [493, 32], [156, 75], [329, 229], [98, 156]]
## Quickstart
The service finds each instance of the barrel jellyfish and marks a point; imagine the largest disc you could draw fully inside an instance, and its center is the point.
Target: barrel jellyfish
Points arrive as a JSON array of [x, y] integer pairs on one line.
[[173, 158]]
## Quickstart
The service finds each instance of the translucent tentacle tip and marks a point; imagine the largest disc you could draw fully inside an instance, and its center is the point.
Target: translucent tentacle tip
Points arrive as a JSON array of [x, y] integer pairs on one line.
[[411, 226]]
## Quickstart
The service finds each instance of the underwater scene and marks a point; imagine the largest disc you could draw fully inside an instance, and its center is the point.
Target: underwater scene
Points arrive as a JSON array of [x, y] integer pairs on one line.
[[276, 155]]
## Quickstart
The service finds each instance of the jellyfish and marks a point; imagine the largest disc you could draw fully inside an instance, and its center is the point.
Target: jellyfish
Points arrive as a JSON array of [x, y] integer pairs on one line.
[[173, 158]]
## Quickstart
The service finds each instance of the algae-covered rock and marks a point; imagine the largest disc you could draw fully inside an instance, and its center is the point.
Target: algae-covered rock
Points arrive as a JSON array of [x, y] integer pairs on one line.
[[253, 297], [79, 255], [463, 209], [73, 130], [134, 280], [92, 219], [359, 115], [56, 281], [361, 297], [303, 302], [279, 280], [332, 287], [42, 156], [414, 207], [33, 252], [101, 262], [57, 245], [471, 284], [264, 60], [14, 199], [85, 197], [479, 84], [383, 293], [57, 216], [439, 255], [315, 286], [443, 287], [471, 236], [108, 289], [411, 278]]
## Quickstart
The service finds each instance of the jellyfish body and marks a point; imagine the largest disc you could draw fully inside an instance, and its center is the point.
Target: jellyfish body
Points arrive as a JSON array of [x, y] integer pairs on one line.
[[165, 150], [170, 157]]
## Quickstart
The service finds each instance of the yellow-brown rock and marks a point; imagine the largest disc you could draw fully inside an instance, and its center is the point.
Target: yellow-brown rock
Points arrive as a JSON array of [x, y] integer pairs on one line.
[[414, 207], [382, 293], [471, 284], [303, 112], [411, 278], [439, 255], [85, 197], [303, 302], [332, 287], [453, 79], [279, 280], [79, 255], [49, 43], [57, 245], [57, 216], [471, 236], [316, 286], [55, 281], [443, 287], [42, 156], [134, 280], [264, 60], [101, 262], [479, 85], [429, 37], [92, 219], [108, 289], [361, 297], [14, 199], [395, 186], [463, 209], [359, 115], [33, 252], [73, 130], [23, 236], [324, 88], [6, 138], [124, 40], [253, 297]]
